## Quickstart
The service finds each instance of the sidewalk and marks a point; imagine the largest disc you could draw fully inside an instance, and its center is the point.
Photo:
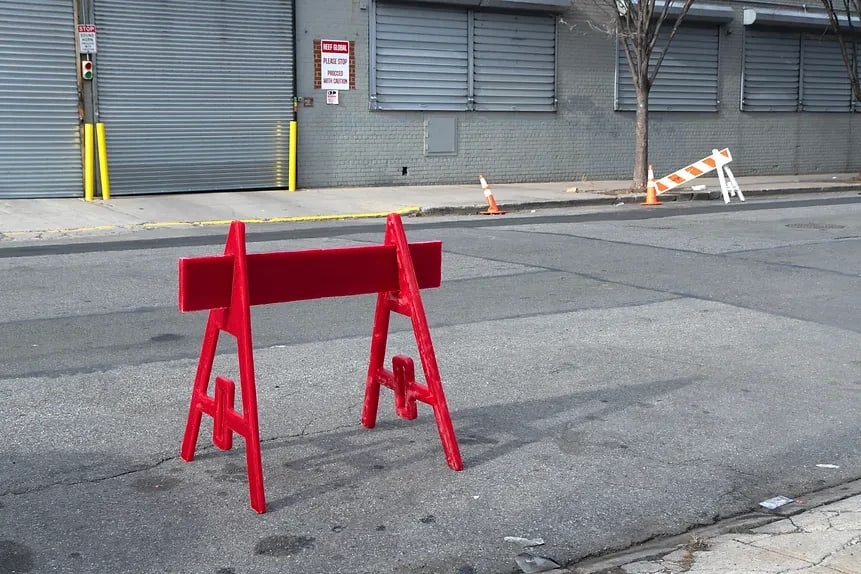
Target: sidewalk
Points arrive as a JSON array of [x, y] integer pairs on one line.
[[45, 218], [821, 540]]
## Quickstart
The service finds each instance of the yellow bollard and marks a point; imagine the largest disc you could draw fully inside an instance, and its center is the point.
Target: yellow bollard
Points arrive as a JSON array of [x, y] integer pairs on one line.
[[89, 168], [291, 176], [103, 161]]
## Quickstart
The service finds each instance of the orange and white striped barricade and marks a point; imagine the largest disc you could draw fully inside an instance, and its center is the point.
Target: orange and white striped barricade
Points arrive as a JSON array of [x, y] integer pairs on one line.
[[718, 160]]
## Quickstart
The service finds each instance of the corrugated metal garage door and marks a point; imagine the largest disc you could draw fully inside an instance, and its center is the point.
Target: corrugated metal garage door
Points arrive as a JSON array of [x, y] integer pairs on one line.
[[40, 153], [195, 95]]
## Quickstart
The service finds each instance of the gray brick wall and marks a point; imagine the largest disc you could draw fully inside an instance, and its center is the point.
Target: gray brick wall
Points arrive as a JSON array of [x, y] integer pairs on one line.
[[348, 145]]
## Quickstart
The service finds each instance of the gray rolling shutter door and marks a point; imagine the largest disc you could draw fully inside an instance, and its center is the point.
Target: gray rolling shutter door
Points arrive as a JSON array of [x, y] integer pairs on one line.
[[195, 95], [825, 83], [772, 67], [40, 152], [688, 78], [515, 62], [421, 58]]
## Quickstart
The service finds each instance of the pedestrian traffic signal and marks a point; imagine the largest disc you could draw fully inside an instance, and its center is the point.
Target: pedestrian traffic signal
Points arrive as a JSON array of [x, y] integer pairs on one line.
[[87, 69]]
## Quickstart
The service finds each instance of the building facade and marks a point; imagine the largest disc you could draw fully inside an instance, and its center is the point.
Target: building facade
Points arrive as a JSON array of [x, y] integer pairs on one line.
[[197, 95]]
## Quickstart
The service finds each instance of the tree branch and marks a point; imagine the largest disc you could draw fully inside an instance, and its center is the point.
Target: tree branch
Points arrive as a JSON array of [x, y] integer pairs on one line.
[[848, 48], [684, 11]]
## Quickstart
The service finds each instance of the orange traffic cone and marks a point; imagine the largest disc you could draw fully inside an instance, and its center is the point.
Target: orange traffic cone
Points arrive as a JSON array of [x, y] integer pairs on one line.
[[491, 202], [651, 194]]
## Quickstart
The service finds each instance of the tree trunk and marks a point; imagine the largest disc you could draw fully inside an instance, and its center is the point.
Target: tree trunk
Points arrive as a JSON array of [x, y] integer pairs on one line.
[[641, 138]]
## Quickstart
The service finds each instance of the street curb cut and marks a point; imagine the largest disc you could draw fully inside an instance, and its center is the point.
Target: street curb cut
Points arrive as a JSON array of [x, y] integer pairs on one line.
[[475, 209], [660, 547], [632, 198]]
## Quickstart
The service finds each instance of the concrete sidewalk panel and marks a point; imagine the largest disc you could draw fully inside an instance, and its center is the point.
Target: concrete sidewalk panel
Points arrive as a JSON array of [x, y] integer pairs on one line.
[[807, 546]]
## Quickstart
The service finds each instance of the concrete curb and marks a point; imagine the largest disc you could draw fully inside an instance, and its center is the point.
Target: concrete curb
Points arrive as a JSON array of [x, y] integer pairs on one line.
[[626, 198], [405, 212], [592, 201], [475, 209], [660, 547]]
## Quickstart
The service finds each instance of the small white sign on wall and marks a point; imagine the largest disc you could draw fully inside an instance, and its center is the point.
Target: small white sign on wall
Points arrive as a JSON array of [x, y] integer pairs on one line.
[[335, 64], [87, 39], [332, 97]]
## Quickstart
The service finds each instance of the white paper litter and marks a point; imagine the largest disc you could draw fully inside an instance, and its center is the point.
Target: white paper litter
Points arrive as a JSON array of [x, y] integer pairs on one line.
[[525, 542], [531, 564], [827, 466], [775, 502]]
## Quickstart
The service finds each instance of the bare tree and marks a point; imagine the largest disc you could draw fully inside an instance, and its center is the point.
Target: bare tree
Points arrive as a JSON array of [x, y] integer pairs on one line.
[[637, 24], [841, 15]]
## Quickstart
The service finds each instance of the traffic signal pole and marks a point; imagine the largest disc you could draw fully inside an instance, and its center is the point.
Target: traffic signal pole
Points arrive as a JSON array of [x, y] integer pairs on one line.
[[294, 124], [94, 129], [101, 141]]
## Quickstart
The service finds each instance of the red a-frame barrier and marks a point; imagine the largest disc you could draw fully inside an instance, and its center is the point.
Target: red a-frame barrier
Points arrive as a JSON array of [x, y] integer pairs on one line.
[[229, 285]]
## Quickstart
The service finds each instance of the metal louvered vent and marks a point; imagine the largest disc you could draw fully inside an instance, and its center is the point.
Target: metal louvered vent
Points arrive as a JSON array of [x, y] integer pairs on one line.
[[455, 59], [825, 83], [515, 62], [772, 68], [421, 57], [688, 78]]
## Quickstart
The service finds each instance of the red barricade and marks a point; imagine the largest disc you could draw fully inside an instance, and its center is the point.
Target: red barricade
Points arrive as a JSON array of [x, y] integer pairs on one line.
[[229, 285]]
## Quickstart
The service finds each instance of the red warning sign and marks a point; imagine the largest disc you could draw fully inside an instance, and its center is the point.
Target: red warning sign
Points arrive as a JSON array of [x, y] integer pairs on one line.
[[335, 64]]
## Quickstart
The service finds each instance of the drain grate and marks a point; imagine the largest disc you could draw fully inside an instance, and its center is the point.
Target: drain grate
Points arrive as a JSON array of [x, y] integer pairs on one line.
[[822, 226]]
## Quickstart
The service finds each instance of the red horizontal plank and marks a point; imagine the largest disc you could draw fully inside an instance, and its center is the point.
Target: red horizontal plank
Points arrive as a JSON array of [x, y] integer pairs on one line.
[[282, 276]]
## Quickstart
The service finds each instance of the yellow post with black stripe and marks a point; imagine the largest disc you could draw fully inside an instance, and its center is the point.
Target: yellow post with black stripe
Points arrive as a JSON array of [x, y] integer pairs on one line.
[[104, 176], [89, 163], [291, 174]]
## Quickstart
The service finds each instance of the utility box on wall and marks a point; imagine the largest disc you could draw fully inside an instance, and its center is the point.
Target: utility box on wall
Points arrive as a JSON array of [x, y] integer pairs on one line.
[[441, 135]]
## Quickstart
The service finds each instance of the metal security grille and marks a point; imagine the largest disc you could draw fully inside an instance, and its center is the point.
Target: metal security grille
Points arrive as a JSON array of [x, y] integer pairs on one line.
[[772, 69], [421, 58], [825, 83], [195, 95], [40, 152], [439, 58], [515, 62], [688, 78]]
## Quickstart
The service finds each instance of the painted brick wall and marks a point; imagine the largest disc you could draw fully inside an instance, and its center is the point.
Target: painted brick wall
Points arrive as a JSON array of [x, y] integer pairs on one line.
[[348, 145]]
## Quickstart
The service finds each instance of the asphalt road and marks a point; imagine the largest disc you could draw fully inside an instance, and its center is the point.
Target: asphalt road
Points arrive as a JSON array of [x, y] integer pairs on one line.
[[612, 374]]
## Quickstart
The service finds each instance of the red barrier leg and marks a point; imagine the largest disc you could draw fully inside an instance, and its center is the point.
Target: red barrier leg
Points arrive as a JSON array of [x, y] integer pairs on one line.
[[404, 374], [199, 395], [253, 458], [225, 394], [407, 301], [235, 320], [379, 338]]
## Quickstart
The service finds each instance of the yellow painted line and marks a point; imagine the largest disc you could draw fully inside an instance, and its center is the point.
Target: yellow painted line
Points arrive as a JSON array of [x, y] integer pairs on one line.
[[66, 230], [215, 222]]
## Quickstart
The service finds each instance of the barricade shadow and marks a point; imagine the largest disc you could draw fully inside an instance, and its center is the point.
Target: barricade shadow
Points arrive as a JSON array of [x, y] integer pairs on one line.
[[486, 433], [89, 510]]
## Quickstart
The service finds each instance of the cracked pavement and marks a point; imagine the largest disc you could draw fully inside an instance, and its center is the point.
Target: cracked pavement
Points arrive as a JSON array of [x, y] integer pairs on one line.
[[824, 540], [609, 385]]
